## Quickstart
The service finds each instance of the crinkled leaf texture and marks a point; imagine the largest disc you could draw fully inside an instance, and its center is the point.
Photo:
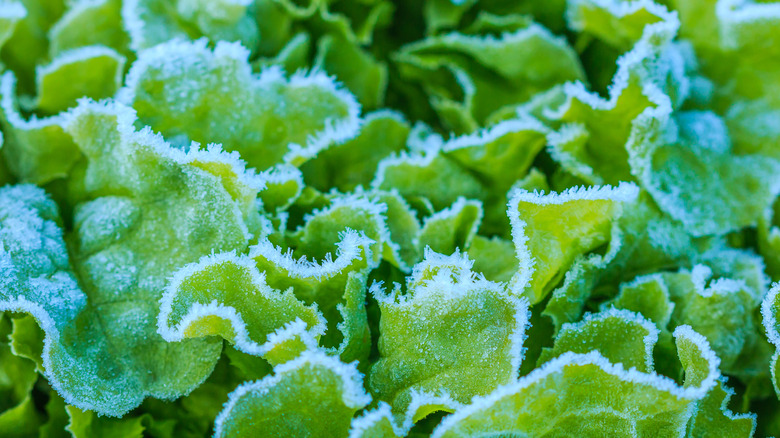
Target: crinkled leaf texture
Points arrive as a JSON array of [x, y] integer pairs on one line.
[[226, 295], [142, 209], [452, 336], [550, 231], [267, 118], [479, 166], [770, 310], [584, 394], [238, 296], [313, 395]]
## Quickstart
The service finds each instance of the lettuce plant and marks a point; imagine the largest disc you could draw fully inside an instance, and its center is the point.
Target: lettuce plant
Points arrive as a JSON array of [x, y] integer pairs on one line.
[[375, 218]]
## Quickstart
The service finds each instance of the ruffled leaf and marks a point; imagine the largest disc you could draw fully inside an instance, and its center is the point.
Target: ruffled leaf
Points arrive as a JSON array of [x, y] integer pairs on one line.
[[313, 395], [101, 351], [550, 231], [177, 84], [598, 397], [452, 331]]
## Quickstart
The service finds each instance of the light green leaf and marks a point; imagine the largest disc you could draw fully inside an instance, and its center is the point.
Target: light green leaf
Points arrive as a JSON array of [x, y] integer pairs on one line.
[[88, 23], [620, 336], [177, 84], [355, 67], [720, 309], [674, 168], [647, 295], [452, 332], [151, 22], [314, 395], [28, 44], [293, 56], [403, 225], [617, 23], [768, 233], [35, 150], [551, 231], [86, 424], [354, 162], [474, 75], [57, 418], [283, 185], [714, 418], [770, 312], [21, 421], [101, 351], [415, 175], [226, 295], [324, 282], [27, 340], [377, 423], [483, 166], [91, 71], [17, 377], [592, 396], [451, 229], [494, 258], [356, 344], [11, 12]]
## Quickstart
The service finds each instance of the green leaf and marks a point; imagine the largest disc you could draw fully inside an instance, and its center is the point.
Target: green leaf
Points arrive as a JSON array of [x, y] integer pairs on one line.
[[647, 295], [226, 295], [323, 283], [354, 162], [86, 424], [618, 24], [714, 418], [314, 395], [494, 258], [402, 224], [451, 229], [770, 312], [58, 418], [452, 331], [12, 12], [36, 150], [21, 421], [28, 44], [745, 185], [620, 336], [377, 423], [27, 340], [17, 377], [283, 185], [592, 396], [174, 85], [474, 75], [101, 351], [551, 231], [91, 71], [483, 165], [151, 22], [360, 72], [721, 310], [88, 23]]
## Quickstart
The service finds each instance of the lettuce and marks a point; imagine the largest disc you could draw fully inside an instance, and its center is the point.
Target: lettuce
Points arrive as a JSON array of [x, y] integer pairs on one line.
[[375, 218]]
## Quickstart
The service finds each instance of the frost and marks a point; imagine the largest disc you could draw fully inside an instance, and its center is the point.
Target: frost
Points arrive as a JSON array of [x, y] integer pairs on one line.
[[100, 343], [451, 330], [226, 295], [599, 397], [550, 231], [267, 118], [313, 395]]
